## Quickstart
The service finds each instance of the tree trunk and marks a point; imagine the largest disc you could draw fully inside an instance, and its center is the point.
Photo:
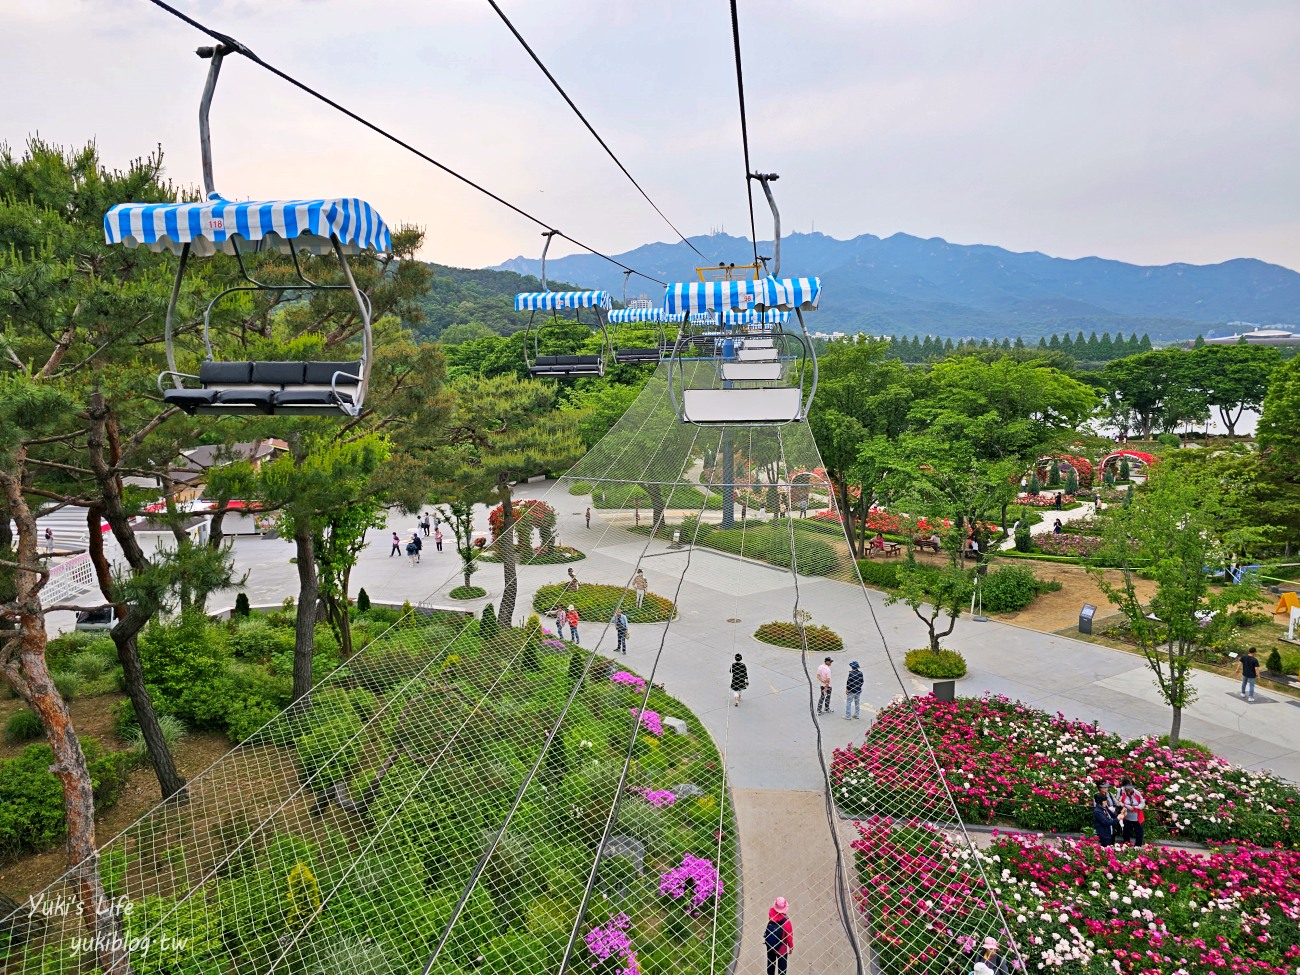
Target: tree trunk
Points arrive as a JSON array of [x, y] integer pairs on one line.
[[656, 506], [131, 619], [506, 549], [1230, 419], [305, 619], [22, 659], [1176, 729], [728, 459]]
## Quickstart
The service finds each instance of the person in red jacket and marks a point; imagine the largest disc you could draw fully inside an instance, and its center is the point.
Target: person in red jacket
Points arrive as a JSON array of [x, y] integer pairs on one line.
[[778, 937]]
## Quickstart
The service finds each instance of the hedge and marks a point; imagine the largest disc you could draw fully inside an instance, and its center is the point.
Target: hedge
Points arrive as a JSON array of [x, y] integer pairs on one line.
[[880, 574], [596, 603], [944, 665], [784, 633]]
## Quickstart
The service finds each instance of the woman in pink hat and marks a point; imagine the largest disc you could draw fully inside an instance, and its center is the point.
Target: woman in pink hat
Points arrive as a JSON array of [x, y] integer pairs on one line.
[[992, 959], [778, 937]]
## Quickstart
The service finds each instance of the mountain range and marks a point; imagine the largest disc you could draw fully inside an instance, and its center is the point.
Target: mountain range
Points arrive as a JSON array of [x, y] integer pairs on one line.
[[907, 285]]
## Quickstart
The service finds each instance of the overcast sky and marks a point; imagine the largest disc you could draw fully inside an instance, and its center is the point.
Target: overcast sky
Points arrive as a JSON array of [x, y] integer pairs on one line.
[[1150, 131]]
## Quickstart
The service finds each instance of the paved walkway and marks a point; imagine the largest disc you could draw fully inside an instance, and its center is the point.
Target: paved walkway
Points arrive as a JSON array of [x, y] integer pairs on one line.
[[1086, 510]]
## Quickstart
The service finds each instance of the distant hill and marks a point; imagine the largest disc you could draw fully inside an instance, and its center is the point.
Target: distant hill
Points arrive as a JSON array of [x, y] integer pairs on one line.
[[907, 285], [459, 296]]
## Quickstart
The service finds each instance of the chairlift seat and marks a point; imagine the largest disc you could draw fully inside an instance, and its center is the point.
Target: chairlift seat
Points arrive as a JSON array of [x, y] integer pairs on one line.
[[560, 366], [638, 355], [744, 371], [756, 355], [289, 388], [752, 343], [782, 404]]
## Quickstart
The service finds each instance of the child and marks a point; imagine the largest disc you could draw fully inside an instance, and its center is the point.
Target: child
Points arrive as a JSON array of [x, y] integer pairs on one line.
[[573, 624]]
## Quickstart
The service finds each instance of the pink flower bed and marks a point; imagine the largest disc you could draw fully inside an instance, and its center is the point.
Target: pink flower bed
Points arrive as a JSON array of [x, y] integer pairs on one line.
[[1006, 761], [650, 721], [696, 877], [656, 797], [1077, 907], [625, 679], [1078, 546]]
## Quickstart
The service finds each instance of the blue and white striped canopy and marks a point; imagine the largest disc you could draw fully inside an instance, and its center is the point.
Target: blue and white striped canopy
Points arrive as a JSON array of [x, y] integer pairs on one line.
[[218, 225], [548, 300], [626, 315], [743, 294], [769, 317]]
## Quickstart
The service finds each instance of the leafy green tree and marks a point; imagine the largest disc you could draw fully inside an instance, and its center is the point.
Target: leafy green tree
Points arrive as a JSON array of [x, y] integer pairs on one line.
[[502, 430], [1234, 378], [338, 540], [931, 592], [1173, 532], [1278, 439], [458, 511]]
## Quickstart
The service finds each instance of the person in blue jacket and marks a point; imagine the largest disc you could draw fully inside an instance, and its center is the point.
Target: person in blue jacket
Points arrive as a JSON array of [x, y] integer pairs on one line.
[[1103, 820]]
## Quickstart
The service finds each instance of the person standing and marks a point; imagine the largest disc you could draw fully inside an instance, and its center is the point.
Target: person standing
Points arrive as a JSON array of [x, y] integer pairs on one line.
[[437, 539], [853, 692], [803, 507], [1248, 664], [589, 516], [573, 580], [1133, 810], [561, 618], [739, 678], [397, 546], [1104, 822], [620, 630], [824, 678], [640, 583], [412, 551], [419, 545], [572, 619], [778, 937], [49, 541], [425, 524]]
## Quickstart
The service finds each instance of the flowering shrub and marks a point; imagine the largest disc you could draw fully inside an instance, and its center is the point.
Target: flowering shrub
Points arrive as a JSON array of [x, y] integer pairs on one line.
[[1078, 906], [611, 947], [1043, 500], [1003, 759], [625, 679], [659, 798], [696, 876], [650, 721], [1078, 546], [1083, 469]]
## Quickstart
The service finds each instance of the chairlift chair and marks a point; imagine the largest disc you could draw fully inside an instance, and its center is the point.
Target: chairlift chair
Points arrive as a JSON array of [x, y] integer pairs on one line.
[[561, 366], [649, 319], [343, 226]]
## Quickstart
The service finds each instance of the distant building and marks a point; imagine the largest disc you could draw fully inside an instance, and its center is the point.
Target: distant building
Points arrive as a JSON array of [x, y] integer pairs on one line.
[[1256, 336], [190, 472], [642, 302]]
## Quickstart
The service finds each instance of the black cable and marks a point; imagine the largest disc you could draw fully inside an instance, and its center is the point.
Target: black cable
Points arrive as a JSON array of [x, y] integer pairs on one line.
[[239, 48], [595, 135], [744, 126]]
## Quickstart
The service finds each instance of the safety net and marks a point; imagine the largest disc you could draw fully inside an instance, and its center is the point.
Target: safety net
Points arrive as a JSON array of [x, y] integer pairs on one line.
[[624, 767]]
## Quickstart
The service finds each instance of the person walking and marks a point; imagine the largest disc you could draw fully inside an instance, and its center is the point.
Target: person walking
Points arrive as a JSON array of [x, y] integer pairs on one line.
[[437, 539], [824, 678], [640, 583], [739, 678], [1104, 822], [589, 516], [397, 546], [572, 619], [620, 630], [419, 545], [853, 692], [561, 618], [49, 541], [778, 937], [573, 580], [1248, 664], [412, 552], [425, 524], [1133, 811]]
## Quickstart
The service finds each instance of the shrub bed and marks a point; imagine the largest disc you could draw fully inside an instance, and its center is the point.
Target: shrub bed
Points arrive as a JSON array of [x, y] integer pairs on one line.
[[1077, 906], [1012, 588], [558, 555], [879, 573], [467, 592], [1007, 761], [784, 633], [771, 543], [596, 603], [944, 665]]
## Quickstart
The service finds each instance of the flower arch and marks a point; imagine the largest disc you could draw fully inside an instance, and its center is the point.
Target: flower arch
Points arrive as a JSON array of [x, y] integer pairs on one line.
[[531, 514], [1115, 457], [1082, 467], [801, 484]]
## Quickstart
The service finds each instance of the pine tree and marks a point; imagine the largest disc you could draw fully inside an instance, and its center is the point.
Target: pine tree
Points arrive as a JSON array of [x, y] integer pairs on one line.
[[1019, 343], [556, 767], [1054, 474], [1054, 342], [1145, 344], [1071, 482], [1035, 485], [577, 663], [363, 601], [242, 610], [1042, 342], [1067, 345], [487, 624]]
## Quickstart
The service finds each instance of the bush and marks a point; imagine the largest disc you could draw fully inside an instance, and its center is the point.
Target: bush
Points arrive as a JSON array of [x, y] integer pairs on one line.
[[173, 730], [783, 633], [90, 665], [1169, 439], [1012, 588], [1024, 540], [185, 667], [468, 592], [596, 603], [1273, 664], [771, 543], [363, 601], [944, 665], [881, 575], [68, 684], [257, 639], [23, 726], [487, 624], [242, 610]]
